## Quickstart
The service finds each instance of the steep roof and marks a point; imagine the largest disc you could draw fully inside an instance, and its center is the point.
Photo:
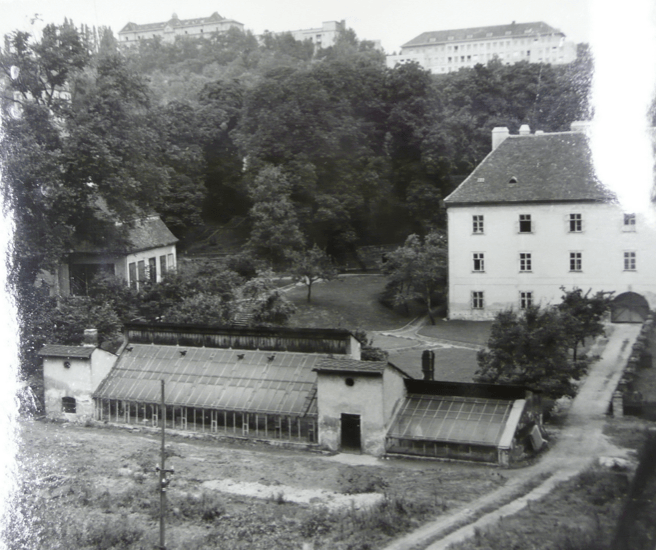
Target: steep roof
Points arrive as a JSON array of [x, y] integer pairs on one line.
[[232, 380], [534, 168], [483, 33], [143, 234], [68, 352]]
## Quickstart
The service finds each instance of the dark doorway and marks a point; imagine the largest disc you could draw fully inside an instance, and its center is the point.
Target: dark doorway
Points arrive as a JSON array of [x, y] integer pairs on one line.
[[629, 307], [351, 432]]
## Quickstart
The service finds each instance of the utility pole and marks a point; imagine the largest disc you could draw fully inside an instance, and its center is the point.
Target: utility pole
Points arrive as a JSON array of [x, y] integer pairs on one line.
[[163, 481]]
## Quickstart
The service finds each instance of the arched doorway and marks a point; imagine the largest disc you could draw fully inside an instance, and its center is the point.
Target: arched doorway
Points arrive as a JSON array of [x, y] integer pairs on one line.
[[629, 307]]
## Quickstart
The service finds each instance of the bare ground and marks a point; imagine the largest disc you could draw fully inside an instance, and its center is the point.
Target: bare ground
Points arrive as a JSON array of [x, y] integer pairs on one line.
[[227, 494]]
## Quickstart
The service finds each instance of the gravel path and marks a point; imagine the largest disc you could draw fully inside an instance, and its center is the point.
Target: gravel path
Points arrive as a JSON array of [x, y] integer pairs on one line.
[[580, 443]]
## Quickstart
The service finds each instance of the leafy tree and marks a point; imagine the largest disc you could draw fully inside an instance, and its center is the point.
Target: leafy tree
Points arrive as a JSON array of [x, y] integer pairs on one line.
[[261, 297], [275, 232], [311, 265], [529, 350], [582, 315], [417, 270], [200, 308]]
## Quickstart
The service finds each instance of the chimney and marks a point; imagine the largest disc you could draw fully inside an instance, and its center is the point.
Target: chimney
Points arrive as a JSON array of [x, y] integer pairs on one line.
[[524, 130], [580, 126], [428, 364], [90, 337], [499, 135]]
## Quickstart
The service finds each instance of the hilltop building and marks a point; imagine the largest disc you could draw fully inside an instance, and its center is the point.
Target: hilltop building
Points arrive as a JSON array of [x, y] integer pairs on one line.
[[322, 37], [450, 50], [304, 387], [132, 33], [533, 217]]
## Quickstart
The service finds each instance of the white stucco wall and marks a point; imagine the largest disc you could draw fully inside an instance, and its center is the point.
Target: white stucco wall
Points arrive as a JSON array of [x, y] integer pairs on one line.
[[364, 398], [79, 381], [144, 255], [602, 243]]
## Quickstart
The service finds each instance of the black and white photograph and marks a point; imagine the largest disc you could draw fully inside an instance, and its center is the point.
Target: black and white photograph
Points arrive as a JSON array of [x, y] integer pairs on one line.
[[328, 276]]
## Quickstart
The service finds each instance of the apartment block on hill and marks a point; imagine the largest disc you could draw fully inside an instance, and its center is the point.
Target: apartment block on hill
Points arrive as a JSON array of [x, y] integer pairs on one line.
[[450, 50], [132, 33]]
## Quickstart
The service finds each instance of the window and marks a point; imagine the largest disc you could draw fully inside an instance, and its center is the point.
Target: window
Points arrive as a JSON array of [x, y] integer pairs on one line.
[[629, 222], [525, 223], [132, 269], [629, 261], [141, 270], [575, 261], [68, 405], [477, 299], [479, 261], [162, 265], [525, 261], [575, 223], [477, 224], [152, 269], [525, 299], [170, 264]]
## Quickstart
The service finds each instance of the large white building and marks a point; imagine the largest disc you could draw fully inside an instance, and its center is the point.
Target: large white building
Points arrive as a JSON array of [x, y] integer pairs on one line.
[[132, 33], [533, 217], [450, 50], [322, 37]]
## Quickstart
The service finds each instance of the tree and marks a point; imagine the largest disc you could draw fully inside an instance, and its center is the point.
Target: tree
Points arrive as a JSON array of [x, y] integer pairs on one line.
[[311, 265], [529, 350], [417, 270], [582, 315], [261, 298], [275, 232]]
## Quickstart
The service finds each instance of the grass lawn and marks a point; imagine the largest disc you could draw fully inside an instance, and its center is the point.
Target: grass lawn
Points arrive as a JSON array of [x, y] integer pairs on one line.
[[347, 302], [470, 332]]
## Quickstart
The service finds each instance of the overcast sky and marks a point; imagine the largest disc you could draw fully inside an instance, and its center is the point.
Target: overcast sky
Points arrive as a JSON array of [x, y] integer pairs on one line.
[[394, 23]]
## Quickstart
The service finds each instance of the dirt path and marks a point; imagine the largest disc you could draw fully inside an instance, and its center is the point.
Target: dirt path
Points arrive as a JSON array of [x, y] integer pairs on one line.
[[580, 443]]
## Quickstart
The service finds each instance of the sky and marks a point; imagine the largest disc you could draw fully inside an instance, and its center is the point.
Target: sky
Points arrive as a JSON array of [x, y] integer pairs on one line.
[[393, 23]]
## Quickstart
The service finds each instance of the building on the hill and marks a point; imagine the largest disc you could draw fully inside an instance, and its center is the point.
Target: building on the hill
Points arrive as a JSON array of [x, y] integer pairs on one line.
[[293, 386], [322, 37], [147, 253], [168, 31], [532, 218], [450, 50]]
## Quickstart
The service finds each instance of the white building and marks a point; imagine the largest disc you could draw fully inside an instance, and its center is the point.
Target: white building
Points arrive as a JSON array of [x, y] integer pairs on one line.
[[322, 37], [450, 50], [531, 218], [132, 33], [147, 253]]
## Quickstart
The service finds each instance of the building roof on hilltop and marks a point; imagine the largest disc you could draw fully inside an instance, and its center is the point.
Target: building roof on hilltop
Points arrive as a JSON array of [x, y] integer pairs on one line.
[[68, 352], [534, 168], [234, 380], [142, 234], [482, 33], [175, 22]]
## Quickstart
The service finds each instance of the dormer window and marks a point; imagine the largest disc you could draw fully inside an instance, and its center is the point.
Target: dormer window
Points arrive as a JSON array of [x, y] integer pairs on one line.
[[513, 180]]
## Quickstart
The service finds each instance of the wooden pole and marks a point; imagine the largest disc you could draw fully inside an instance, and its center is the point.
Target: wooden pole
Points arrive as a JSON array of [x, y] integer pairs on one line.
[[162, 477]]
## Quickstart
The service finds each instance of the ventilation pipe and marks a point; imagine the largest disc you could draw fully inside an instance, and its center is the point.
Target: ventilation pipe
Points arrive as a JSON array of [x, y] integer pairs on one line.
[[90, 337], [428, 364]]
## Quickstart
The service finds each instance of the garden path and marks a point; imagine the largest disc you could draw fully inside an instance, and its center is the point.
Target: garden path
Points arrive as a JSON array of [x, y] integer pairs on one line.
[[580, 443]]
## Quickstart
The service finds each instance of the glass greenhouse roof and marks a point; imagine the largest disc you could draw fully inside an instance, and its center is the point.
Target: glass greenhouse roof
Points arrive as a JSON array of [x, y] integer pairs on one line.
[[224, 379], [462, 420]]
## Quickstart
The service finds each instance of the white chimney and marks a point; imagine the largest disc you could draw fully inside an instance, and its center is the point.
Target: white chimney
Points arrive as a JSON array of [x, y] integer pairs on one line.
[[90, 337], [499, 135], [581, 126], [524, 130]]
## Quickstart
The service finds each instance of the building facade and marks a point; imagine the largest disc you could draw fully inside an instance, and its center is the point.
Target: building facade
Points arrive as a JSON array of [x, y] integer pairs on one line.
[[532, 218], [148, 253], [322, 37], [168, 31], [450, 50]]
